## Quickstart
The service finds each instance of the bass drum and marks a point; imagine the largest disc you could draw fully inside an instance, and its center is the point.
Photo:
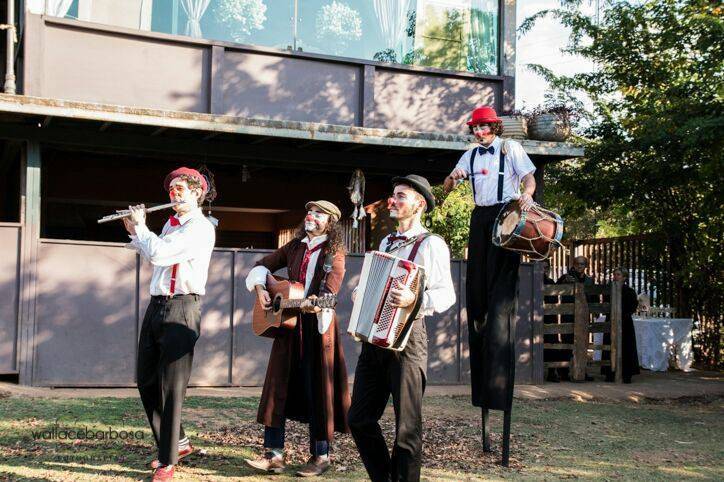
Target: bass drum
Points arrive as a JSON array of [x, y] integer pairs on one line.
[[535, 233]]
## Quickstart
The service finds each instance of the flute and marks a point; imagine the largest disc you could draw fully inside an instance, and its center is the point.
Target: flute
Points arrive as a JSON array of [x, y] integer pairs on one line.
[[127, 213]]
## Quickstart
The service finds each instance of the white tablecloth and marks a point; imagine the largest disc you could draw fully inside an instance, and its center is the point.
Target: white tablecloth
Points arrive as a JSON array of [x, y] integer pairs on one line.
[[656, 338]]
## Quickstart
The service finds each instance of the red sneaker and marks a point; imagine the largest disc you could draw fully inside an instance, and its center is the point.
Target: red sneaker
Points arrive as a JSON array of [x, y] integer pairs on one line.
[[182, 454], [163, 474]]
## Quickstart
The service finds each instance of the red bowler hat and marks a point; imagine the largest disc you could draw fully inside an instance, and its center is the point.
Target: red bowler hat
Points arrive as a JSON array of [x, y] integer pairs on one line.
[[483, 115], [189, 172]]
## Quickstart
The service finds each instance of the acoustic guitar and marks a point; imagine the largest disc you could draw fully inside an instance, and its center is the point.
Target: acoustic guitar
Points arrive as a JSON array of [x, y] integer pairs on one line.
[[287, 296]]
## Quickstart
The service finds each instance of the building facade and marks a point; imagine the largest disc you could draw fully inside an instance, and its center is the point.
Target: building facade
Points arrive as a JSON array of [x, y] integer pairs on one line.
[[283, 100]]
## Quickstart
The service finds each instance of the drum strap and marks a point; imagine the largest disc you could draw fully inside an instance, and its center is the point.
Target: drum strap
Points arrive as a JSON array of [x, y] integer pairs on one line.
[[501, 172]]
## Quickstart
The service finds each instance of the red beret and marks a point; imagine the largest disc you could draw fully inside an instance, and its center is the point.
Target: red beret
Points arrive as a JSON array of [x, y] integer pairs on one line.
[[189, 172]]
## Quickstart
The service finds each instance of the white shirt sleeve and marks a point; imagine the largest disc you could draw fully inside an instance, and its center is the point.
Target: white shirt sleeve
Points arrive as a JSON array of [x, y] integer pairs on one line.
[[257, 276], [176, 247], [522, 165], [136, 246], [439, 293], [464, 162]]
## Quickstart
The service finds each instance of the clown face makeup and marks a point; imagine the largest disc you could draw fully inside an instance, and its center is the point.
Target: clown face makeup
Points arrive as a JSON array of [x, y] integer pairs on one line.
[[483, 133], [404, 203], [179, 190], [315, 222]]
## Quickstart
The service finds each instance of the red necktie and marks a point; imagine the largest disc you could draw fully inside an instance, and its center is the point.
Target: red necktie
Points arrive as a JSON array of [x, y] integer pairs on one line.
[[173, 221], [303, 279], [305, 262]]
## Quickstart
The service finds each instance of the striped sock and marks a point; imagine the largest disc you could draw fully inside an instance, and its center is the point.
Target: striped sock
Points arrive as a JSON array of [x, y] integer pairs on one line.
[[183, 444]]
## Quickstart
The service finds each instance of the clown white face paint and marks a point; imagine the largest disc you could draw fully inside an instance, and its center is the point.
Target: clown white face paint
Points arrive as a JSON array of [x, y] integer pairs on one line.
[[179, 190], [483, 133], [315, 222]]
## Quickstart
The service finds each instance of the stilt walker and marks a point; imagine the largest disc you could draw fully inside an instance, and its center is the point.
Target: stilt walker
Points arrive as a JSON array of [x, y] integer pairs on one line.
[[496, 169]]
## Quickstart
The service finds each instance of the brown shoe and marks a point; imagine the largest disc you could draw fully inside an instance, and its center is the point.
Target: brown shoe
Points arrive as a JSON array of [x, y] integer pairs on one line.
[[163, 474], [315, 466], [269, 464], [182, 454]]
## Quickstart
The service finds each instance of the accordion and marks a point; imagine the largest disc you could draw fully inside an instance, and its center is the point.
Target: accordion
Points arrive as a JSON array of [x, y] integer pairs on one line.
[[374, 318]]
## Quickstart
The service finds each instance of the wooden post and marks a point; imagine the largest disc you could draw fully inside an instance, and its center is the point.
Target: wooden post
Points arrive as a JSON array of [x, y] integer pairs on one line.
[[506, 438], [580, 334], [30, 240], [538, 364], [616, 331], [486, 430]]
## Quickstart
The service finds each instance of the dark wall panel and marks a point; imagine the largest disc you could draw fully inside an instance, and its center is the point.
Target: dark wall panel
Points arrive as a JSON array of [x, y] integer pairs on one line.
[[429, 103], [10, 247], [250, 353], [96, 66], [86, 315], [212, 356], [281, 88], [442, 339]]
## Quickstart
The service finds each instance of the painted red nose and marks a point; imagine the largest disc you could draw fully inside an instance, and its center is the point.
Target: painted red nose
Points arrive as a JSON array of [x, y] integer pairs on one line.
[[308, 218], [390, 203]]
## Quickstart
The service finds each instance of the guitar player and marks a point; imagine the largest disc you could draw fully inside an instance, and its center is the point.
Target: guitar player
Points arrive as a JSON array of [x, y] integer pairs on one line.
[[306, 378]]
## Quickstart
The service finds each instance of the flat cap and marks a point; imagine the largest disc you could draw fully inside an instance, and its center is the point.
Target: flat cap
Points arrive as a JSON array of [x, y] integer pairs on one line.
[[326, 207]]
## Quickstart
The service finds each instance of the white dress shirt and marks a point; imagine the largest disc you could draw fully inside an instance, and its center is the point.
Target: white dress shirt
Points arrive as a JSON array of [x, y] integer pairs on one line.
[[188, 245], [434, 255], [257, 276], [486, 167]]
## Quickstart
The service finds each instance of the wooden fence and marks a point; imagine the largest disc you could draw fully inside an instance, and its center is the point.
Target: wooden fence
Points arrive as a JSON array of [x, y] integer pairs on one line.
[[647, 259], [576, 309]]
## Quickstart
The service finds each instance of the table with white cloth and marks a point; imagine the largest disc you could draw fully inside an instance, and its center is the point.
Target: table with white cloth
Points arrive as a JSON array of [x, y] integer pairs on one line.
[[657, 338]]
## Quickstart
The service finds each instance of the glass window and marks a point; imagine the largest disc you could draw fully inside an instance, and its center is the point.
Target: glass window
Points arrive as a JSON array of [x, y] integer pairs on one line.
[[459, 35]]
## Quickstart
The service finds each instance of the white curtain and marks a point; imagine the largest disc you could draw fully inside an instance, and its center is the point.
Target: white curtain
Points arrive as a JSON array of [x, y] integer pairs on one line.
[[392, 16], [58, 8], [194, 9]]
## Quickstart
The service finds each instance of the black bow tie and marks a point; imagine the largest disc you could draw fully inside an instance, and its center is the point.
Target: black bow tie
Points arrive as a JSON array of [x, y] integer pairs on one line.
[[395, 237], [490, 150]]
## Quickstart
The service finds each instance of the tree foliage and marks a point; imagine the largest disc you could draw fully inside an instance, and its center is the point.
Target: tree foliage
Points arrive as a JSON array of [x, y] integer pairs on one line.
[[654, 136], [451, 218]]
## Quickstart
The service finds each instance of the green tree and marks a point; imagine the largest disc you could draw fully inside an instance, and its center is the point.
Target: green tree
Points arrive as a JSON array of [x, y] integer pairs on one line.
[[654, 136], [451, 218]]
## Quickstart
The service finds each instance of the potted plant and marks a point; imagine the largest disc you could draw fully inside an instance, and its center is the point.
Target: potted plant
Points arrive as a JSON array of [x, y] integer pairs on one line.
[[552, 121]]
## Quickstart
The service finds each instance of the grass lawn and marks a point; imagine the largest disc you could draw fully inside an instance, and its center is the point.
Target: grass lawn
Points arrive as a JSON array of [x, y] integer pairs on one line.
[[551, 440]]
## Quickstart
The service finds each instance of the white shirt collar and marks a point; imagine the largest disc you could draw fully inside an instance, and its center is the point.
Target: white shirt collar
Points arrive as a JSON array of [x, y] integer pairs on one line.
[[416, 229], [191, 214], [314, 242], [496, 143]]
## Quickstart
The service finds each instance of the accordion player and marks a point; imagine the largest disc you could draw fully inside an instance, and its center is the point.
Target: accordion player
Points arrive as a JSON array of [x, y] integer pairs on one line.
[[374, 317]]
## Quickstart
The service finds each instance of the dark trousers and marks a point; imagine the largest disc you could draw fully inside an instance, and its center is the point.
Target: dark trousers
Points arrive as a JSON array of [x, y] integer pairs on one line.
[[274, 439], [492, 284], [165, 356], [379, 374], [305, 379]]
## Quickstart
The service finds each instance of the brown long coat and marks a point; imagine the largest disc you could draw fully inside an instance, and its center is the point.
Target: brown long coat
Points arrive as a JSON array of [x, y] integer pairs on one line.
[[283, 395]]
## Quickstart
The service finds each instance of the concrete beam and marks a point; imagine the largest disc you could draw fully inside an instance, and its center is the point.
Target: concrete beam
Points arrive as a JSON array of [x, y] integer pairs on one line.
[[36, 106]]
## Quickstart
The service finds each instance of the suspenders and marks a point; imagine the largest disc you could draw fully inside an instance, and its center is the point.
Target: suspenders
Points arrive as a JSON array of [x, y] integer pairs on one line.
[[501, 171]]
